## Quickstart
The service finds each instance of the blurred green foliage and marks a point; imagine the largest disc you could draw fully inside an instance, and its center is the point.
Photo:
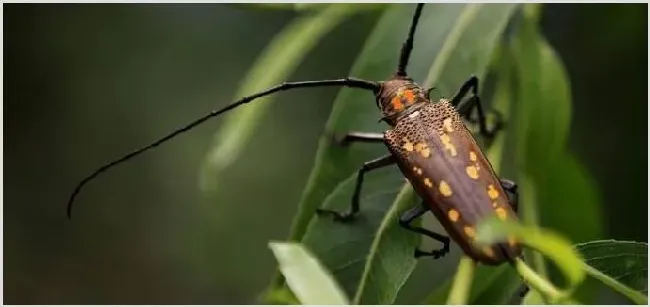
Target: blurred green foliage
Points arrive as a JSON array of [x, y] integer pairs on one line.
[[86, 83]]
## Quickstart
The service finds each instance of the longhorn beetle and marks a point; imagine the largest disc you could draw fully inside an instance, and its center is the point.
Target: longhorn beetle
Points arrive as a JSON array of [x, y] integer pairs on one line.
[[432, 148]]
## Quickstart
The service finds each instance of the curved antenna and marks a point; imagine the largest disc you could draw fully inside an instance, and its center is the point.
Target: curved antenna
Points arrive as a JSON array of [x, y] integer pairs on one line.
[[349, 82], [407, 47]]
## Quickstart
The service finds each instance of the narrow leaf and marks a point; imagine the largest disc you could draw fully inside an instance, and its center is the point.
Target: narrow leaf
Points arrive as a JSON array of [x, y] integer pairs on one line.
[[308, 280], [276, 63]]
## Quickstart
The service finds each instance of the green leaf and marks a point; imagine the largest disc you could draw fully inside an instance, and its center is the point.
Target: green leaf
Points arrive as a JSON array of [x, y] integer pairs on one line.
[[308, 280], [452, 42], [533, 298], [302, 6], [276, 63], [555, 190], [564, 190], [349, 250], [548, 243], [622, 265]]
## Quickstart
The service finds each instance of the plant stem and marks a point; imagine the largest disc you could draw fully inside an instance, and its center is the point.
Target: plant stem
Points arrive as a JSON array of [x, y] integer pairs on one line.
[[462, 282], [538, 282]]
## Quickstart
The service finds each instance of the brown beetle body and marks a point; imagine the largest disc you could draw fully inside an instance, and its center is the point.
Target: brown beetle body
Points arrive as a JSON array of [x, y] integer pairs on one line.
[[439, 156]]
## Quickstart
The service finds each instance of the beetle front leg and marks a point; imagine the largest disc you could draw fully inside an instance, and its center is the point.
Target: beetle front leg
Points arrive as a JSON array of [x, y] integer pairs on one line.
[[359, 137], [354, 207], [465, 109], [405, 221]]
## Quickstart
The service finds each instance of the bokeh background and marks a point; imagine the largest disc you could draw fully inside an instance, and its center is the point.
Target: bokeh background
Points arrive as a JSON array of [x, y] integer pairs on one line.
[[86, 83]]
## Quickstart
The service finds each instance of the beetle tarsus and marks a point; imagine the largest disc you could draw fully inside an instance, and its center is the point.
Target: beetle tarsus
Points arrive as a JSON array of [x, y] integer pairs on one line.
[[405, 221], [524, 291], [435, 254], [499, 124], [337, 216]]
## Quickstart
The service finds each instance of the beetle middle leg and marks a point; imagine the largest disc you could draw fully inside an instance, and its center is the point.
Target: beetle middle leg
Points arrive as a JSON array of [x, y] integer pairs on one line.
[[465, 108], [405, 221], [354, 207]]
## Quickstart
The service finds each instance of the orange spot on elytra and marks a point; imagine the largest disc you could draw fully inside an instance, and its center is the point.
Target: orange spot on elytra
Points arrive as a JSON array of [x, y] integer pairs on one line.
[[501, 213], [445, 189], [423, 149], [492, 192], [408, 146], [453, 215], [472, 156], [397, 103], [472, 172], [446, 141], [417, 170], [469, 231], [448, 126], [428, 182]]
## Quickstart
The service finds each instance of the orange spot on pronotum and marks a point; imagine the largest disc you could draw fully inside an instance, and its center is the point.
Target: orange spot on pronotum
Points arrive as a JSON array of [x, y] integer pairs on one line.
[[397, 103], [409, 96]]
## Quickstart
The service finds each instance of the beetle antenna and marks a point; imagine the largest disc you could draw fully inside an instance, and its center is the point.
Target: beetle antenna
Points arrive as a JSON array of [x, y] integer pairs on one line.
[[349, 82], [405, 54]]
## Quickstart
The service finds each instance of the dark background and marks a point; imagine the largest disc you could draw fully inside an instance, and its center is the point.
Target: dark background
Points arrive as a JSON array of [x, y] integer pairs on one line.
[[85, 83]]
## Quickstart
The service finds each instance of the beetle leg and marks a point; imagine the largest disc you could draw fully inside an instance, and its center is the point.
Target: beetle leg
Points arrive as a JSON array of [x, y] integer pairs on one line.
[[354, 208], [405, 221], [511, 187], [465, 108], [360, 137]]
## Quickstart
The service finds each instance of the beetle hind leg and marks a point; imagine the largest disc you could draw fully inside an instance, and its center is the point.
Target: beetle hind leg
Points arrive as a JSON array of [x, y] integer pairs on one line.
[[405, 221], [511, 187]]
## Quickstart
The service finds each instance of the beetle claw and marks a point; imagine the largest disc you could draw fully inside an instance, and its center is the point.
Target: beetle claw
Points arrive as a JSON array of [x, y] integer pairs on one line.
[[337, 216], [337, 140]]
